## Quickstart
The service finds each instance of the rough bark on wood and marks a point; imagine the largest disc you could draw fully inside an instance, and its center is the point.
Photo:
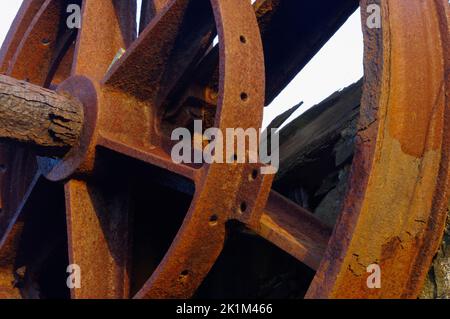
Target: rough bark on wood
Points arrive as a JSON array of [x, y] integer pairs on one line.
[[48, 122]]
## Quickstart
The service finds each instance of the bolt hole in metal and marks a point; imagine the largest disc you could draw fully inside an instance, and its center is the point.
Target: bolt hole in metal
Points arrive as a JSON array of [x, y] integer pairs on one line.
[[244, 96], [45, 42], [213, 220], [243, 39], [184, 275], [253, 175], [243, 207]]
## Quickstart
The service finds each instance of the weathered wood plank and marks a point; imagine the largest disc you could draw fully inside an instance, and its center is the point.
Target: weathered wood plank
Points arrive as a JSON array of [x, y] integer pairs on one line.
[[316, 151]]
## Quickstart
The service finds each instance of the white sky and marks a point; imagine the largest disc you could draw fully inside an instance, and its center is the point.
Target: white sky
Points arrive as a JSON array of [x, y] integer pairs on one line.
[[337, 65], [8, 10]]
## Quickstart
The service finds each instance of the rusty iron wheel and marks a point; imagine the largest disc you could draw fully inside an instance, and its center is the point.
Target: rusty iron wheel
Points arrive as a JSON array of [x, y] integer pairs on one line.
[[395, 208]]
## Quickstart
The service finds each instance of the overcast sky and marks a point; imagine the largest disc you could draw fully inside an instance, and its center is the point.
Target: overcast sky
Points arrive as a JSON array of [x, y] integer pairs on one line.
[[336, 66]]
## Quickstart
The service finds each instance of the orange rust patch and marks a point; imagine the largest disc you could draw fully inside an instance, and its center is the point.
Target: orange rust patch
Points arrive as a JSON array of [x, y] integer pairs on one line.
[[416, 95]]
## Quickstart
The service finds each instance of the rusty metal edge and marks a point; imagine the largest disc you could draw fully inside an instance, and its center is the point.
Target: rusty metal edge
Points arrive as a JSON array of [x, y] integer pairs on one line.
[[334, 269]]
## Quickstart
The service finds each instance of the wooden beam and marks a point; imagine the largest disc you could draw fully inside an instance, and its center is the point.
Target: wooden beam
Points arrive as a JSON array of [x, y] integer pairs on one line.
[[44, 120]]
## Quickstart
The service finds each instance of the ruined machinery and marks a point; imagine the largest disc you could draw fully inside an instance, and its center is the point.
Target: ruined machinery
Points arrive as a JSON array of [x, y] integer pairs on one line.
[[108, 197]]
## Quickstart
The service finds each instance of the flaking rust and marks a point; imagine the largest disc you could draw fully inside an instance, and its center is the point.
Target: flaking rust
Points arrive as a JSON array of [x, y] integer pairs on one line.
[[395, 207]]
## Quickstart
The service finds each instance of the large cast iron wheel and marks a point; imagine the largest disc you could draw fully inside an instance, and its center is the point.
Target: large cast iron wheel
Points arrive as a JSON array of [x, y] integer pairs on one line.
[[396, 205]]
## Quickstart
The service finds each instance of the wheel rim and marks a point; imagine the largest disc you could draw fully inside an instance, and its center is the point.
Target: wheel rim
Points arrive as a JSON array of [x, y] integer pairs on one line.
[[408, 236]]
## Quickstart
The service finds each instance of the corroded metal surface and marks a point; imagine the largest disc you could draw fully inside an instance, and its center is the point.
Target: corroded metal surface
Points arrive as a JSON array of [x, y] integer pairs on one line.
[[294, 230], [97, 220], [201, 236], [395, 207], [19, 167], [24, 17]]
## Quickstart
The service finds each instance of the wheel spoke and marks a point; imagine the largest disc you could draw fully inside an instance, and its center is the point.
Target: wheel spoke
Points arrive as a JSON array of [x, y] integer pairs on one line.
[[172, 42], [100, 38], [98, 223], [140, 140], [150, 154], [294, 229]]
